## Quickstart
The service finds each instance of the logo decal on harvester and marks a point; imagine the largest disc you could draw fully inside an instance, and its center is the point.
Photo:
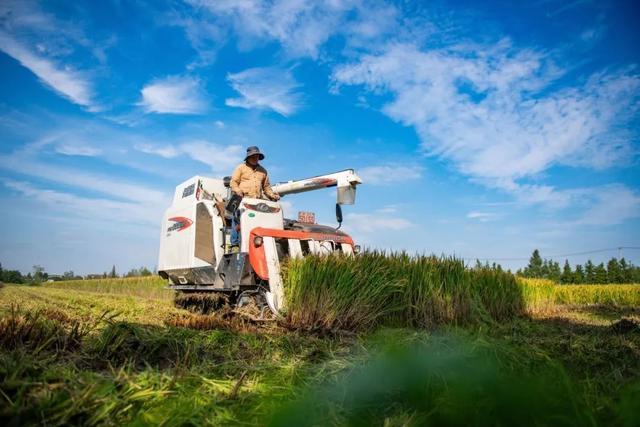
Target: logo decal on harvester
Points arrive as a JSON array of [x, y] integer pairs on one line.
[[180, 223]]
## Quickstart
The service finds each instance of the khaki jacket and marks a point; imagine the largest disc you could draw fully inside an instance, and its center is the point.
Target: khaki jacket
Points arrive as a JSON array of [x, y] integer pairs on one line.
[[251, 182]]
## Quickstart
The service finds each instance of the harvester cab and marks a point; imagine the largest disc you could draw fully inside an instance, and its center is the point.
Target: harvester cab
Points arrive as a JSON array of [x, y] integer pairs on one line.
[[195, 251]]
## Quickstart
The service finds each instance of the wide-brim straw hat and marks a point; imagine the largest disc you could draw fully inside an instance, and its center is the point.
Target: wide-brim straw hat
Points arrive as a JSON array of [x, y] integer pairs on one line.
[[252, 151]]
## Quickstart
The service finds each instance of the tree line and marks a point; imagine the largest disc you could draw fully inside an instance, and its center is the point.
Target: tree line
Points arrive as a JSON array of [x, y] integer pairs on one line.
[[39, 275], [615, 271]]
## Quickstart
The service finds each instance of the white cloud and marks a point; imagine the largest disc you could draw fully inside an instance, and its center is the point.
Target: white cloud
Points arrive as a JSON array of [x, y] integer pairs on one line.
[[89, 208], [219, 124], [300, 27], [388, 209], [494, 113], [389, 174], [78, 150], [269, 88], [79, 179], [174, 95], [482, 216], [369, 223], [72, 84], [612, 204], [221, 158], [166, 151]]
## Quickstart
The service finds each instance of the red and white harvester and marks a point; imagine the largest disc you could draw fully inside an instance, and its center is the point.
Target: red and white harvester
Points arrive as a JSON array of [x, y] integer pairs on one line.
[[195, 251]]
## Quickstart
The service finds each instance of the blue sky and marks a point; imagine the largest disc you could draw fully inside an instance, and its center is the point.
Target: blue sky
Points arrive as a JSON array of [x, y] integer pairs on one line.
[[481, 129]]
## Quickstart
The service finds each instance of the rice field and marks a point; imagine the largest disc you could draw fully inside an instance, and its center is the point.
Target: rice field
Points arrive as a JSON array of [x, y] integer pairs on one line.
[[396, 290], [149, 286], [544, 295], [377, 340]]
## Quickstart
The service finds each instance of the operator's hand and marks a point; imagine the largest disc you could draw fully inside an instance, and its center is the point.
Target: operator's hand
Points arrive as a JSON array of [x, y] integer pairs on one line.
[[240, 193]]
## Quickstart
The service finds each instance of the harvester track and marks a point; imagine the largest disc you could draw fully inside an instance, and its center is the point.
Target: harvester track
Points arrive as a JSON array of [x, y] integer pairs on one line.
[[222, 305]]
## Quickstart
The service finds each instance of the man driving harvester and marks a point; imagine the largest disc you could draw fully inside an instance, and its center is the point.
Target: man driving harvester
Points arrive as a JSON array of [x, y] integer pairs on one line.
[[250, 179]]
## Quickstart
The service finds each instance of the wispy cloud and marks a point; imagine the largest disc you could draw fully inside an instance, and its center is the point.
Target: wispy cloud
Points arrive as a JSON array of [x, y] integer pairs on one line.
[[72, 84], [99, 183], [174, 95], [482, 216], [300, 28], [166, 151], [389, 174], [70, 149], [88, 208], [267, 88], [494, 113], [219, 157], [610, 205]]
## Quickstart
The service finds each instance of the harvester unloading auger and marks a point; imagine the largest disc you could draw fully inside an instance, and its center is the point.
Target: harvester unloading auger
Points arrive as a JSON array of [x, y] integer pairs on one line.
[[195, 251]]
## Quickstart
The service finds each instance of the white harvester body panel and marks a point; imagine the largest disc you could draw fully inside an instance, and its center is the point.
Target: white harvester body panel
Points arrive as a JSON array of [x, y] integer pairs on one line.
[[191, 234], [258, 213]]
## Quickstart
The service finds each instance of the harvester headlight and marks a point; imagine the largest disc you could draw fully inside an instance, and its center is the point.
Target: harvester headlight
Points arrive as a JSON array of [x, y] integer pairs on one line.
[[357, 249], [257, 241]]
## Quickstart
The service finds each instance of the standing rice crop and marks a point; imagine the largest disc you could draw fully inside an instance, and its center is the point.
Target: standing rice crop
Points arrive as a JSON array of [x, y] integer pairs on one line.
[[538, 294], [395, 289], [618, 295], [543, 296], [339, 292]]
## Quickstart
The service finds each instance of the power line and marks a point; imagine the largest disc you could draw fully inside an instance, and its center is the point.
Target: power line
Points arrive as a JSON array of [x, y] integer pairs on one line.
[[594, 251]]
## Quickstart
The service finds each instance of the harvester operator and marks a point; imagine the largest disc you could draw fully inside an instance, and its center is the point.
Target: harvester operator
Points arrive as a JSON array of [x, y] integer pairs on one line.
[[250, 179]]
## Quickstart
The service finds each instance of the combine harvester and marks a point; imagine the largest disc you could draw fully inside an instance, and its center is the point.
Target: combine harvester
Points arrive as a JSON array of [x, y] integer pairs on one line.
[[195, 251]]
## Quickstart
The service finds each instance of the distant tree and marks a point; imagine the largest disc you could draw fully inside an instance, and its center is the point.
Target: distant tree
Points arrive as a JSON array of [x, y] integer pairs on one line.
[[104, 275], [600, 274], [68, 275], [39, 275], [545, 270], [113, 273], [614, 274], [136, 272], [625, 271], [589, 272], [534, 268], [567, 274], [578, 275], [634, 275], [144, 271], [554, 271], [12, 276]]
